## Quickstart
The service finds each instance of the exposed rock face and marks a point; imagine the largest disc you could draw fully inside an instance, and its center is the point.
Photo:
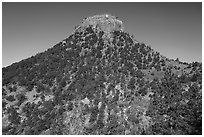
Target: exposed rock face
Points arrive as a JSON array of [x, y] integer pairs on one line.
[[101, 81], [106, 23]]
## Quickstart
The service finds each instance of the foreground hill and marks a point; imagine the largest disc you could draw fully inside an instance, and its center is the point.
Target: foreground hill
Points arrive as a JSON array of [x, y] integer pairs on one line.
[[100, 80]]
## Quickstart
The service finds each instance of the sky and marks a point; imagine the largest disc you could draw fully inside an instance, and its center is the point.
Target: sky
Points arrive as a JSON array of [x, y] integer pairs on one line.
[[173, 29]]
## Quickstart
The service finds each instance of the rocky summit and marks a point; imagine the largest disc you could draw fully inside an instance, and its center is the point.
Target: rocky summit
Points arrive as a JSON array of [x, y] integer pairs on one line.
[[106, 23], [100, 81]]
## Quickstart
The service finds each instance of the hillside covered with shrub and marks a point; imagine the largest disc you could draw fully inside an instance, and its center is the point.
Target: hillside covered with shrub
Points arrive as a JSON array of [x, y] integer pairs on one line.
[[100, 81]]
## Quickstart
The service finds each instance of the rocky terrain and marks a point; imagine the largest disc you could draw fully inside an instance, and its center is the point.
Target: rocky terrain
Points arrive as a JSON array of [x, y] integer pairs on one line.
[[101, 81]]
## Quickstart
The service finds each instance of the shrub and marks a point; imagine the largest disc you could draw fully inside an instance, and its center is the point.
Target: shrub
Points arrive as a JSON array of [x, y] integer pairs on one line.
[[10, 98]]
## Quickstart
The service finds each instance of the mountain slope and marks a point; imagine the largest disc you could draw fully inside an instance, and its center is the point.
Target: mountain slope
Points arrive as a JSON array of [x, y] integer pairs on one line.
[[101, 81]]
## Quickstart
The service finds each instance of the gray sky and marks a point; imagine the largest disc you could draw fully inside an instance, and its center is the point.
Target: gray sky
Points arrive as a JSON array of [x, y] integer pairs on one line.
[[173, 29]]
